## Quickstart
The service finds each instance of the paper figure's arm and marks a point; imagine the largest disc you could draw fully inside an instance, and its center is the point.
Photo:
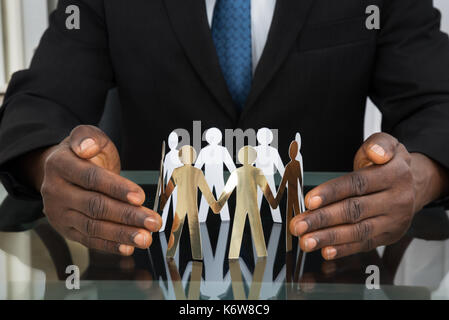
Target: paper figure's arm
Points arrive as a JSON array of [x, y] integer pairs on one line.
[[228, 160], [200, 160], [168, 191], [282, 186], [263, 184], [207, 193], [227, 191], [279, 165]]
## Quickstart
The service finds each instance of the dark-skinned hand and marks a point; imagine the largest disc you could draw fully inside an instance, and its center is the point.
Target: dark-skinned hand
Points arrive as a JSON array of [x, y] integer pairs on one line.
[[372, 206]]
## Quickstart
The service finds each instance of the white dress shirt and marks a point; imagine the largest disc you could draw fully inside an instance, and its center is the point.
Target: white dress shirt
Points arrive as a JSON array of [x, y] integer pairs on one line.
[[261, 16]]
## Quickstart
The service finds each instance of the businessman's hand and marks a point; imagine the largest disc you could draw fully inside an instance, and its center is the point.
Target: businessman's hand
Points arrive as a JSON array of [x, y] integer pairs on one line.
[[86, 199], [373, 205]]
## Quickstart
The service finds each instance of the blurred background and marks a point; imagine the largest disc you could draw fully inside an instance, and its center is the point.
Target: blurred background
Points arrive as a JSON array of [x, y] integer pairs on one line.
[[22, 23]]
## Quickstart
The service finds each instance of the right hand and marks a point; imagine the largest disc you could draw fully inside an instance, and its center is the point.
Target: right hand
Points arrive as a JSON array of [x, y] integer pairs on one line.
[[86, 200]]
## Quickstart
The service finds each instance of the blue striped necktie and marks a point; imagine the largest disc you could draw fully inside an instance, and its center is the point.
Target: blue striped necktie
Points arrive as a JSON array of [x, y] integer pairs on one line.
[[231, 32]]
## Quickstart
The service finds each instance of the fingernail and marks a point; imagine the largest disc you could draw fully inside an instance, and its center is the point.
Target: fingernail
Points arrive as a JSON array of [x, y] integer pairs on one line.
[[125, 250], [301, 227], [140, 240], [135, 198], [310, 243], [151, 224], [86, 144], [331, 253], [378, 150], [315, 202]]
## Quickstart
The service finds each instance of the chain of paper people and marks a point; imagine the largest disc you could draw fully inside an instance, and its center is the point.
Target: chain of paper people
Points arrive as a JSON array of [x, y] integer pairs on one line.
[[254, 179]]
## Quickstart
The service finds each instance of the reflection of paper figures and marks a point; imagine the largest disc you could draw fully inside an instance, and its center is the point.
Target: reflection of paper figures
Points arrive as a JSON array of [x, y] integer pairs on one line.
[[188, 179], [193, 284], [213, 157], [216, 284], [268, 160], [237, 280], [291, 179], [246, 179], [171, 163], [301, 163]]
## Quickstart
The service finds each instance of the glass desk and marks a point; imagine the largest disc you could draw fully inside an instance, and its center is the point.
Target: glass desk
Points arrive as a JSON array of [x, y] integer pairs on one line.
[[34, 258]]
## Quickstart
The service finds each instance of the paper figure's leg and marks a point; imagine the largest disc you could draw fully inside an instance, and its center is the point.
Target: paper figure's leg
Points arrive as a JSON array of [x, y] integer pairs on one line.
[[195, 235], [176, 230], [257, 233], [288, 218], [237, 282], [224, 213], [237, 234], [165, 214], [204, 210], [195, 281], [259, 198], [256, 284], [275, 213]]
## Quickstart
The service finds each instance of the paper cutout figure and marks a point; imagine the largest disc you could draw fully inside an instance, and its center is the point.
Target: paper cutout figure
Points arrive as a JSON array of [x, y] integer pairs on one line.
[[188, 179], [293, 179], [246, 179], [212, 158], [269, 161], [237, 280], [299, 158], [171, 163]]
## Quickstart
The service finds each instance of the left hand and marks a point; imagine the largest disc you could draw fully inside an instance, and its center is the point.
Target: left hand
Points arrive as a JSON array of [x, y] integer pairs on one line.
[[372, 206]]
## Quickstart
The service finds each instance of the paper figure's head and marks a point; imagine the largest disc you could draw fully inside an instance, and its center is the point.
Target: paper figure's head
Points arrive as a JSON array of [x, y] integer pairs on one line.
[[173, 140], [293, 151], [213, 136], [264, 136], [247, 155], [187, 155], [298, 140]]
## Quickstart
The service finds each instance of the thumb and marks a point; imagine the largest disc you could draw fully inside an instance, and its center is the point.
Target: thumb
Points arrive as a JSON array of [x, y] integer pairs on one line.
[[378, 149], [90, 143]]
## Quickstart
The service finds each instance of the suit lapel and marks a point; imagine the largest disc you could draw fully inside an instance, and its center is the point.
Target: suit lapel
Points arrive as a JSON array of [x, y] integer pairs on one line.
[[189, 21], [288, 19]]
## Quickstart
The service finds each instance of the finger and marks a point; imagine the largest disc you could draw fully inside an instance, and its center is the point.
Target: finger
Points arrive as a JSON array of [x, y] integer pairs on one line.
[[379, 148], [100, 207], [109, 231], [88, 142], [357, 183], [359, 232], [100, 244], [340, 251], [92, 177], [348, 211]]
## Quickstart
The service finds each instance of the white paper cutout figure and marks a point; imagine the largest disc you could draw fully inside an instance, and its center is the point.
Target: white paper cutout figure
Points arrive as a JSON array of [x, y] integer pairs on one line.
[[269, 161], [299, 158], [171, 163], [212, 157]]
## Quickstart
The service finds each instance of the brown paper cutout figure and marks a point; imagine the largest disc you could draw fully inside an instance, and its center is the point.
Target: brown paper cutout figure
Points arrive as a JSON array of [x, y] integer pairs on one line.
[[238, 286], [292, 176], [246, 179], [187, 179]]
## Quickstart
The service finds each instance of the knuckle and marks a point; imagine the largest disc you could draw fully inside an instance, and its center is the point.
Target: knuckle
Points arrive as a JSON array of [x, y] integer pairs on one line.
[[362, 231], [332, 236], [129, 215], [90, 177], [352, 210], [317, 220], [359, 184], [91, 227], [97, 207]]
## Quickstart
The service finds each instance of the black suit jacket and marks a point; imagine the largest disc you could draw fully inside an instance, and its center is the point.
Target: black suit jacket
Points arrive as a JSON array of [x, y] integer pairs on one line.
[[319, 66]]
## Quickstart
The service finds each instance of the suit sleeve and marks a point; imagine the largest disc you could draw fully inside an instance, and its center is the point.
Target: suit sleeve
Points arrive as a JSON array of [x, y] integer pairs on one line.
[[410, 82], [65, 86]]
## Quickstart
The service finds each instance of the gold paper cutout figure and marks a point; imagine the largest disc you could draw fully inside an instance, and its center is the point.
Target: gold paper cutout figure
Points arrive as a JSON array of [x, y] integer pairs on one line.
[[246, 179], [187, 179], [237, 280], [291, 177]]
